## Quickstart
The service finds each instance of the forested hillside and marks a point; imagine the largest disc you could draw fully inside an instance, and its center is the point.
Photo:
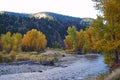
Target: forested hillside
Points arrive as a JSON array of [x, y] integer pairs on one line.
[[53, 25]]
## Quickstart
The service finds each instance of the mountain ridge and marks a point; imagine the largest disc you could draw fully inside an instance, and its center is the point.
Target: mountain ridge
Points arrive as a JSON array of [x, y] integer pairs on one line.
[[32, 14]]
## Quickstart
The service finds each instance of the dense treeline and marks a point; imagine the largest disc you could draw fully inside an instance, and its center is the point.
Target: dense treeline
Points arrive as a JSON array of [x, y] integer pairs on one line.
[[102, 36], [81, 41], [33, 40], [54, 29], [17, 47]]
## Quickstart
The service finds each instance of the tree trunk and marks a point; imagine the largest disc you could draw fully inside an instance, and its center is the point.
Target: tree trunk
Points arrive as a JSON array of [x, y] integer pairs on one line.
[[116, 57]]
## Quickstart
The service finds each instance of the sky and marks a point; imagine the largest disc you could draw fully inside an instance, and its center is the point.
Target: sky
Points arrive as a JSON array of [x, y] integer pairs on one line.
[[75, 8]]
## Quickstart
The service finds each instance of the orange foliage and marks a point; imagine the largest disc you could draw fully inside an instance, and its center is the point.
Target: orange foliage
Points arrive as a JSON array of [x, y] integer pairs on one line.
[[68, 42], [34, 40]]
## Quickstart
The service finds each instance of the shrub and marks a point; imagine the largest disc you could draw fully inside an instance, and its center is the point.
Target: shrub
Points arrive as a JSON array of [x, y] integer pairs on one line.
[[22, 57], [1, 57], [12, 55], [7, 59], [56, 45], [4, 58], [46, 59], [34, 58]]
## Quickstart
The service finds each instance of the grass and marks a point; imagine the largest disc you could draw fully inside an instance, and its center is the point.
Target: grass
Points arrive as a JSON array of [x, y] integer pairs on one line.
[[114, 75], [47, 59]]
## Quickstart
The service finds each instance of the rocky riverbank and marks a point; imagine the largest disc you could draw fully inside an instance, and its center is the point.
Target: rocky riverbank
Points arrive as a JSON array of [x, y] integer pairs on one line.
[[70, 67]]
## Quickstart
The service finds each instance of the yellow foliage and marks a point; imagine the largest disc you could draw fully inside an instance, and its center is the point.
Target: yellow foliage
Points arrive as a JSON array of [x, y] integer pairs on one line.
[[17, 40], [68, 42], [80, 39], [107, 39], [6, 41], [34, 40]]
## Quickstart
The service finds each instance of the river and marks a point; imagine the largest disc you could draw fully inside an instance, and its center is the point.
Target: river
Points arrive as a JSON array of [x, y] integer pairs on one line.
[[79, 69]]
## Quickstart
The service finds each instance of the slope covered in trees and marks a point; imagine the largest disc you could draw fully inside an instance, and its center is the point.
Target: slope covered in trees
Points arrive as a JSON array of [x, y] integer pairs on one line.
[[53, 25]]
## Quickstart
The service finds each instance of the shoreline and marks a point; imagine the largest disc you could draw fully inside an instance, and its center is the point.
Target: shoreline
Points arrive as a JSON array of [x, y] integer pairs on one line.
[[70, 67]]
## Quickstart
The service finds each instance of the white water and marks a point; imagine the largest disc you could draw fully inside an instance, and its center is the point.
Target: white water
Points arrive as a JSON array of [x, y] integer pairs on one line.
[[79, 70]]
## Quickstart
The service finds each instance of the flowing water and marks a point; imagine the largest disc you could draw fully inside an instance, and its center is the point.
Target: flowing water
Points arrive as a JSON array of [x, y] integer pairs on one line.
[[86, 66]]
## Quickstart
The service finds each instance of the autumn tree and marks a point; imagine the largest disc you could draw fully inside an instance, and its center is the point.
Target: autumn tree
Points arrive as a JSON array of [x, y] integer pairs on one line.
[[6, 41], [68, 42], [17, 41], [98, 34], [88, 40], [80, 40], [11, 42], [34, 40], [75, 40], [109, 31], [72, 35]]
